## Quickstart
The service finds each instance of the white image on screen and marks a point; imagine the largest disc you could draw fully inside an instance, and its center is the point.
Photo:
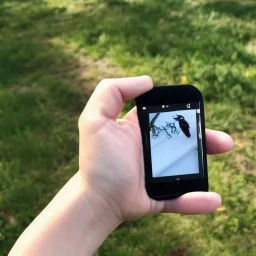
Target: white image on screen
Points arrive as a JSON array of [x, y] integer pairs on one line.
[[174, 154]]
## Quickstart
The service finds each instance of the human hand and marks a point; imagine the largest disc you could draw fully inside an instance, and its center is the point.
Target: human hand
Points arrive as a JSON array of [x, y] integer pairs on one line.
[[111, 160], [109, 187]]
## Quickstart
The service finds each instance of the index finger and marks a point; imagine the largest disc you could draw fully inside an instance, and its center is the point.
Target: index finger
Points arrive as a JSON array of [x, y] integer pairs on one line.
[[218, 142]]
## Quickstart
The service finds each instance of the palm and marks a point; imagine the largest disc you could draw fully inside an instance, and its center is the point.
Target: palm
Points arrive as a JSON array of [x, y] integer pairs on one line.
[[119, 172], [129, 171]]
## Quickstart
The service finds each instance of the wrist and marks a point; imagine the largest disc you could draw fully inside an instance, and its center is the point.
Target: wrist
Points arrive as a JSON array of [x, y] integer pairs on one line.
[[96, 216], [76, 222], [98, 210]]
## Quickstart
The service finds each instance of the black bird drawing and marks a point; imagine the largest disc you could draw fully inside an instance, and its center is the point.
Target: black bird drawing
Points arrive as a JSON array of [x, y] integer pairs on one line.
[[184, 126]]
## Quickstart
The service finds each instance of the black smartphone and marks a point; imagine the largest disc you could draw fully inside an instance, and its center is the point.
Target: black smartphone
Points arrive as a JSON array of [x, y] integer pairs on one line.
[[172, 126]]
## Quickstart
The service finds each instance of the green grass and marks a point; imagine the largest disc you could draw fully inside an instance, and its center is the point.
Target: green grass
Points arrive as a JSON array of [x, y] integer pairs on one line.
[[52, 54]]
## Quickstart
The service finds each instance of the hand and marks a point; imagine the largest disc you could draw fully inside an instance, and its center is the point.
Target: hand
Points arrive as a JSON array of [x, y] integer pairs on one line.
[[109, 188], [111, 160]]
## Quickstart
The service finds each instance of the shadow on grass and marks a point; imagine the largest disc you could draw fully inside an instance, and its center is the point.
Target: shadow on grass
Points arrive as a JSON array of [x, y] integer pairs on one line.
[[40, 103], [168, 38], [238, 9]]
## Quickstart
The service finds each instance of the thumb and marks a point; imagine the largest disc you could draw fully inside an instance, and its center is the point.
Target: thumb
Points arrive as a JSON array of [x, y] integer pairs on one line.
[[193, 203], [109, 96]]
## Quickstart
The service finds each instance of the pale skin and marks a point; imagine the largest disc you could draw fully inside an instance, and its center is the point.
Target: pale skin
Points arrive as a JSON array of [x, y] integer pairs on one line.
[[109, 187]]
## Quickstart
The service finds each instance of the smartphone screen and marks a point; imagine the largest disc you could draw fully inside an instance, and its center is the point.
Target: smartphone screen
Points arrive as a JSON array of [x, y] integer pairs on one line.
[[174, 140]]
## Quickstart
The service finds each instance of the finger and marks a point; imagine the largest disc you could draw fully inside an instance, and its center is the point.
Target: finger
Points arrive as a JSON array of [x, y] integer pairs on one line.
[[109, 96], [193, 203], [132, 116], [218, 142]]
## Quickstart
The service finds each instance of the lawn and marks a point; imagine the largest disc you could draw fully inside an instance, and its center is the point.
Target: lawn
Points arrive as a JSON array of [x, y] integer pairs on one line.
[[54, 52]]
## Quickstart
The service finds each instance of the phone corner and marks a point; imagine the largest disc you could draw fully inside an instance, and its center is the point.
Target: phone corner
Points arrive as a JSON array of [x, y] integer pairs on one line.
[[194, 88]]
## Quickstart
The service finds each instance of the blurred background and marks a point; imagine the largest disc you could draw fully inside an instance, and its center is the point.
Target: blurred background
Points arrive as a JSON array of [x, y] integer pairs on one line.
[[52, 55]]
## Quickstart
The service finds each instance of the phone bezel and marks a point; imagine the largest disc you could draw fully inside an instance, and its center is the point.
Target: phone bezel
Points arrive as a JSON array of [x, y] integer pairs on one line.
[[165, 188]]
